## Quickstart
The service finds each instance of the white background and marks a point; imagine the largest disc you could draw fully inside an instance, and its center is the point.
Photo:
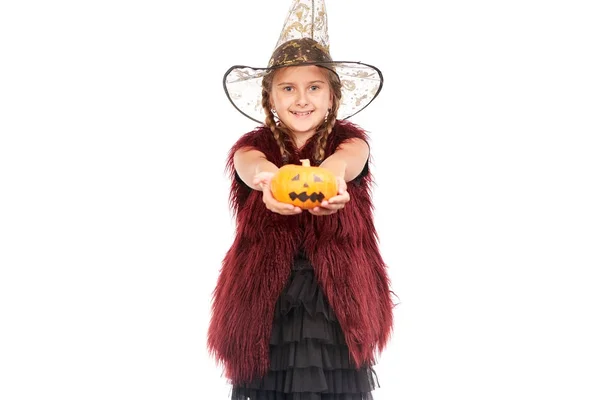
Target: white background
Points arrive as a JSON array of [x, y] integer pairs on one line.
[[114, 217]]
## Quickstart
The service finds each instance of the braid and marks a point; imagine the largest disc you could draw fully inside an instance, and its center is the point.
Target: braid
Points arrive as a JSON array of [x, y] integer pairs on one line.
[[327, 126], [270, 120]]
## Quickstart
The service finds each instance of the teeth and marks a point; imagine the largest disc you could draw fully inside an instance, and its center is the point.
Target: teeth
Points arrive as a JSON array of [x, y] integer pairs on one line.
[[303, 113]]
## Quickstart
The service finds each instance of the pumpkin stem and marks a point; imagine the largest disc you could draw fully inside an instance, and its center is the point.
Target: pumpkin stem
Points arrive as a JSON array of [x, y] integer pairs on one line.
[[305, 162]]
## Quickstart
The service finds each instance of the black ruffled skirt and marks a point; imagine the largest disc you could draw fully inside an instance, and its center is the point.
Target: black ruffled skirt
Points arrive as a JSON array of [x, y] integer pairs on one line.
[[309, 355]]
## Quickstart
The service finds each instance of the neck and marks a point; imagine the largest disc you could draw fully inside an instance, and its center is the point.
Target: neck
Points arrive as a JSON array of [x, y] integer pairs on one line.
[[300, 139]]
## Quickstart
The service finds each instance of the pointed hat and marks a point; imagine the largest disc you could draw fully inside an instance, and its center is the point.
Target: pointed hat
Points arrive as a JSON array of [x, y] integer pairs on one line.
[[303, 41]]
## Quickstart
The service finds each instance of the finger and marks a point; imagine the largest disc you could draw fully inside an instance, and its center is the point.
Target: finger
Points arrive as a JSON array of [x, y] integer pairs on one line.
[[331, 209], [338, 204], [317, 211], [321, 211], [339, 199], [281, 207], [329, 203], [342, 187], [291, 212], [284, 208], [327, 212], [267, 194]]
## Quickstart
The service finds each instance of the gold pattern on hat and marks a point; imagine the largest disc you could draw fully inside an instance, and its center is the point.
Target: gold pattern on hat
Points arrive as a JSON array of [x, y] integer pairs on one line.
[[298, 51], [306, 18]]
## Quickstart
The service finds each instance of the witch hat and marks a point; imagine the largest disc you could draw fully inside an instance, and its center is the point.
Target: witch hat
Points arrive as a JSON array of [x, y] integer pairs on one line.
[[304, 40]]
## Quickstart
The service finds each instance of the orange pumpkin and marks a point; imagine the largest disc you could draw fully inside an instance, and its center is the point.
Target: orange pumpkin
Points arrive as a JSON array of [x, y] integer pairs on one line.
[[302, 185]]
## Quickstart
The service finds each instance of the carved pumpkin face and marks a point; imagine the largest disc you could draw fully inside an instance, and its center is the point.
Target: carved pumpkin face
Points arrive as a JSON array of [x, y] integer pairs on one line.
[[302, 185]]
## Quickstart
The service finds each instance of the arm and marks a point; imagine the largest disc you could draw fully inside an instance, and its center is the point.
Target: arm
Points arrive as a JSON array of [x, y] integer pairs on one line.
[[346, 163], [348, 160], [256, 171], [249, 162]]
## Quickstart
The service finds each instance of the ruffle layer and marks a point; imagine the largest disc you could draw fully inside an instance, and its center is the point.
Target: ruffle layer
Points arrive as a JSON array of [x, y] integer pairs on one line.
[[315, 379], [263, 395], [309, 354], [303, 312], [303, 289]]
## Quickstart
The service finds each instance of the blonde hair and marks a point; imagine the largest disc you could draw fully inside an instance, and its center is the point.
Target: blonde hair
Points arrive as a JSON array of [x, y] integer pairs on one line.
[[280, 130]]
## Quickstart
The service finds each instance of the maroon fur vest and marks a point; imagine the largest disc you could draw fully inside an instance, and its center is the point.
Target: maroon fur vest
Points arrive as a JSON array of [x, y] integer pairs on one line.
[[342, 247]]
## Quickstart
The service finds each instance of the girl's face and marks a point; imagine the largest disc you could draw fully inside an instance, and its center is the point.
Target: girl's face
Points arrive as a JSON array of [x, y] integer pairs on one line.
[[301, 97]]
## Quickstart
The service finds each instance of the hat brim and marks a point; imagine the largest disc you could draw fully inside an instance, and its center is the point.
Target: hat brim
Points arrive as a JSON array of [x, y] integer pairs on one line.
[[361, 83]]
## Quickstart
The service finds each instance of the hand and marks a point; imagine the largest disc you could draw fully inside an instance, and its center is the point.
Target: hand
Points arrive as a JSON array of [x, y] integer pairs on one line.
[[263, 180], [334, 203]]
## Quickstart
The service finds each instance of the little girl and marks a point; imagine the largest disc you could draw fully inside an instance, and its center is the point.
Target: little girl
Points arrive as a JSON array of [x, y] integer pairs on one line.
[[302, 304]]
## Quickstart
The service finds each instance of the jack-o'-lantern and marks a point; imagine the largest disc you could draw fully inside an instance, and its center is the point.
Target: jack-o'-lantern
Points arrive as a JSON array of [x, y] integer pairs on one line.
[[302, 185]]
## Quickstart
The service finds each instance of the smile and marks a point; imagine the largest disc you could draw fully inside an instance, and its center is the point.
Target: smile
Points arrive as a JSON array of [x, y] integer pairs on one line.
[[301, 114]]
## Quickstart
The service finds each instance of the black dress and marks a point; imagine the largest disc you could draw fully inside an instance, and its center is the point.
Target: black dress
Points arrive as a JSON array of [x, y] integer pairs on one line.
[[309, 355]]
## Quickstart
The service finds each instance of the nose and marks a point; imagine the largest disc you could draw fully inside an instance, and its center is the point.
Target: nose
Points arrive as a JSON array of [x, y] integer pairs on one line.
[[305, 184], [302, 100]]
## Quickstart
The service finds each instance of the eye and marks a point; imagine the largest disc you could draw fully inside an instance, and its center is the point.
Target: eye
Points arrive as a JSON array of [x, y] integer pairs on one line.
[[296, 178], [314, 87], [317, 178], [287, 88]]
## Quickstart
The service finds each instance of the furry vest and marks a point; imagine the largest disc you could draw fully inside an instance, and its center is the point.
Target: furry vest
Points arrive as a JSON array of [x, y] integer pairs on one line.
[[342, 247]]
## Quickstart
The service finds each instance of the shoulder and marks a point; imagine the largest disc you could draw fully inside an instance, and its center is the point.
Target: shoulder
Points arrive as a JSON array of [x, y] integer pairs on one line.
[[260, 139], [344, 130], [254, 138]]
